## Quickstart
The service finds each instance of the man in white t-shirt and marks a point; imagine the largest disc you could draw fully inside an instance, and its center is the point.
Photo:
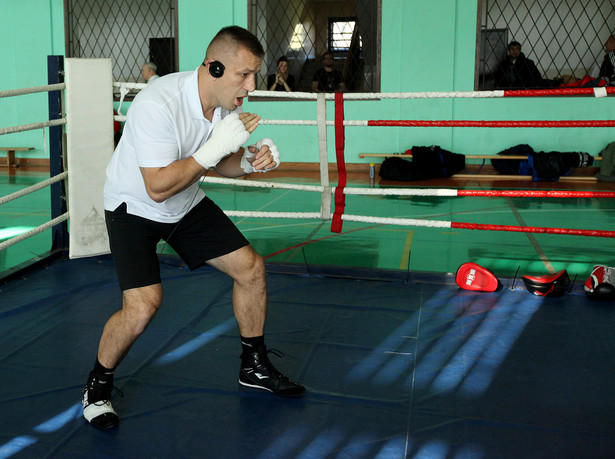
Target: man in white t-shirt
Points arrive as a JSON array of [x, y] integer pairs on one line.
[[175, 131]]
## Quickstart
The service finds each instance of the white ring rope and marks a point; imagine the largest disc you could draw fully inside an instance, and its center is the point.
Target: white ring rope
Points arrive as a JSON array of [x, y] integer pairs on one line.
[[129, 85], [347, 190], [40, 185], [32, 90], [397, 221], [243, 213], [33, 188], [32, 232], [32, 126], [257, 184], [381, 95]]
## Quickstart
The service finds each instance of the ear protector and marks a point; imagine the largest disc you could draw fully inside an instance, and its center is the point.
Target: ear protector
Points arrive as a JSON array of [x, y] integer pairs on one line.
[[216, 69]]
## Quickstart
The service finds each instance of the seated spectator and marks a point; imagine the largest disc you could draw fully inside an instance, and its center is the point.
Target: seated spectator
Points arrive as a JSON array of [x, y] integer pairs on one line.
[[281, 80], [148, 71], [607, 69], [517, 71], [600, 75], [328, 79]]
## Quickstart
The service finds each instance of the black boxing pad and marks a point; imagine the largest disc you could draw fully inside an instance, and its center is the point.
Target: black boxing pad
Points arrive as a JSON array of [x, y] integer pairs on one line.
[[547, 285]]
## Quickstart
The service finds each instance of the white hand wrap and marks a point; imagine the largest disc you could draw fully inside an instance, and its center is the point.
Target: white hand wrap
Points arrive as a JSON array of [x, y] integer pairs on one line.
[[228, 135], [247, 155]]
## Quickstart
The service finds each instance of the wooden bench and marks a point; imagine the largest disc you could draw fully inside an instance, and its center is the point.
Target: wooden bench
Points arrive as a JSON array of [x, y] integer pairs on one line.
[[10, 154]]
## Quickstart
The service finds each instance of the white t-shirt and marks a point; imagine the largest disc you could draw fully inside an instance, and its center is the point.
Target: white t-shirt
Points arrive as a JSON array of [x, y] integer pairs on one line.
[[164, 123]]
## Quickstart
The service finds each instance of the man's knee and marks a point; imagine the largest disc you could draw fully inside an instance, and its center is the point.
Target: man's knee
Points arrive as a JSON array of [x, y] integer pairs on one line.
[[254, 265], [140, 306]]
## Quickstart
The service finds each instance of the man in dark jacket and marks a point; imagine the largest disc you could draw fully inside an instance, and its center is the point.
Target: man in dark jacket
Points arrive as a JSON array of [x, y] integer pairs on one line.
[[517, 71]]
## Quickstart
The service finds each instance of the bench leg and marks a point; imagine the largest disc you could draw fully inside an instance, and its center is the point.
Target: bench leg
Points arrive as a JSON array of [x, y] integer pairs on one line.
[[10, 158]]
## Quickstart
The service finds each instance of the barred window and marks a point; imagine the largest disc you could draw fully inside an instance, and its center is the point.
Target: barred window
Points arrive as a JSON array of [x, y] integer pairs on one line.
[[564, 39], [303, 30], [131, 33], [341, 31]]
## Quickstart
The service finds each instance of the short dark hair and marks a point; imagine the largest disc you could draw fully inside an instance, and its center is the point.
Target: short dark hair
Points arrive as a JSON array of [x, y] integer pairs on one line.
[[328, 53], [241, 37], [514, 43], [282, 59]]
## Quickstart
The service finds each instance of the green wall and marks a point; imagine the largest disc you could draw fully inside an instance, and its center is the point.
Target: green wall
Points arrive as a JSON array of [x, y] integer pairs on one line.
[[426, 46], [30, 30]]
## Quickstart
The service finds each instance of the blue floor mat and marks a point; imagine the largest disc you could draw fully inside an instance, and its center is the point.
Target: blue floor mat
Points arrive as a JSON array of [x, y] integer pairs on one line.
[[393, 369]]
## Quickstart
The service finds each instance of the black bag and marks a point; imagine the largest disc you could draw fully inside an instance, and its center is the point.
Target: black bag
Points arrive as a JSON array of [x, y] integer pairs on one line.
[[427, 163]]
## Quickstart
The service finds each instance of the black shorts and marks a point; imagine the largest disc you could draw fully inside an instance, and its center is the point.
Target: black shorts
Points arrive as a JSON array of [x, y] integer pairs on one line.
[[204, 233]]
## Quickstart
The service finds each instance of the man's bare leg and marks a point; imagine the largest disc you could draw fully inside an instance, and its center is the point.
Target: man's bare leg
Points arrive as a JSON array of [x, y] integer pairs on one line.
[[126, 325], [247, 269], [121, 331]]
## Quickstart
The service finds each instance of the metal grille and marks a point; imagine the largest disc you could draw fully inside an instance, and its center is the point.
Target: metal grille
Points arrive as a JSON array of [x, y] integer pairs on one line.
[[564, 38], [299, 30], [129, 32]]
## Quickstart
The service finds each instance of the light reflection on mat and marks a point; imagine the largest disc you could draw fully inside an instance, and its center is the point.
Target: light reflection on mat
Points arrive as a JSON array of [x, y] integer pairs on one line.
[[196, 343]]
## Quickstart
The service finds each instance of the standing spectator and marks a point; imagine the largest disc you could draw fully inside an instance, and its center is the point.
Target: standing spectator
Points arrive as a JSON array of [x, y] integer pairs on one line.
[[281, 80], [328, 79]]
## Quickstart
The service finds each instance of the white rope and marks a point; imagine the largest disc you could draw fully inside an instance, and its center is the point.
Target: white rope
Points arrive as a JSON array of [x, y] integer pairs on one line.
[[32, 90], [258, 184], [397, 221], [32, 232], [382, 95], [243, 213], [123, 91], [129, 85], [347, 190], [33, 188], [323, 155], [400, 192], [32, 126], [294, 122], [312, 122]]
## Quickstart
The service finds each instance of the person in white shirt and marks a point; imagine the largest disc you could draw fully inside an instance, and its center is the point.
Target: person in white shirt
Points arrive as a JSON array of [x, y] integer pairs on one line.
[[148, 72], [175, 131]]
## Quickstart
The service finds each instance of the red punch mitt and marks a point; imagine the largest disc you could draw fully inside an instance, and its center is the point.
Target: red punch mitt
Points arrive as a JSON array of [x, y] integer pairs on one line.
[[549, 284], [471, 276], [600, 285]]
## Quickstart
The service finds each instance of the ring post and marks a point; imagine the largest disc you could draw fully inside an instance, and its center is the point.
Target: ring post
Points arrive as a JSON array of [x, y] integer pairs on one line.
[[59, 233]]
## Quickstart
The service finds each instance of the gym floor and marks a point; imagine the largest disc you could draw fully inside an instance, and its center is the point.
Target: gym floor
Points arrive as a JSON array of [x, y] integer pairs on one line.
[[397, 360]]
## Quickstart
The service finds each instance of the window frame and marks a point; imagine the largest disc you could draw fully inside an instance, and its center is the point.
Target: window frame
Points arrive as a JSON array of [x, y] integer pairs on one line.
[[332, 21], [70, 39]]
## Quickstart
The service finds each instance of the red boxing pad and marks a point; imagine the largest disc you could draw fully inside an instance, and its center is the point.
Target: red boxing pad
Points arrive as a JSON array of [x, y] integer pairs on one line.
[[471, 276]]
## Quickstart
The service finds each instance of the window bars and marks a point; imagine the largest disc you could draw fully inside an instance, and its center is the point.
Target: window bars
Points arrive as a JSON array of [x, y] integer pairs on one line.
[[129, 32], [300, 30], [564, 38]]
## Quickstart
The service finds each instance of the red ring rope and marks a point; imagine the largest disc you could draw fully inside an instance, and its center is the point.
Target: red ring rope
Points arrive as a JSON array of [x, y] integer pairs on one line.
[[555, 92], [493, 124], [532, 229], [537, 193]]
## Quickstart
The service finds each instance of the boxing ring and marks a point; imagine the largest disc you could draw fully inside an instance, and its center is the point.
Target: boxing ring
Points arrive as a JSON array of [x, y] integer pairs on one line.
[[410, 367]]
